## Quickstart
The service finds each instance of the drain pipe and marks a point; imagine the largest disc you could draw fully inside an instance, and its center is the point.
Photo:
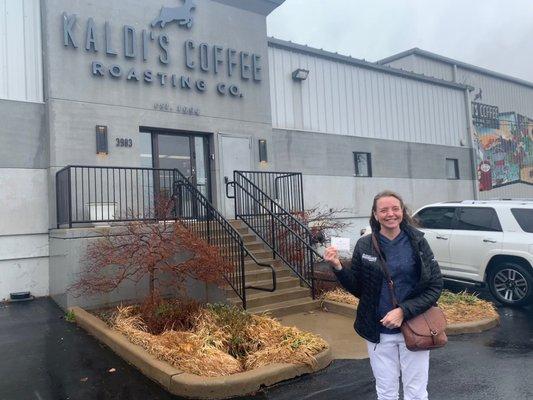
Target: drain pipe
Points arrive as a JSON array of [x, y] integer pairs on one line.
[[470, 131]]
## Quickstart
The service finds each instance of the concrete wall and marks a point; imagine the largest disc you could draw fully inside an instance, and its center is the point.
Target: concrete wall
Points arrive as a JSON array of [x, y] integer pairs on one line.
[[23, 231], [67, 252], [416, 171], [23, 139], [24, 199], [332, 155]]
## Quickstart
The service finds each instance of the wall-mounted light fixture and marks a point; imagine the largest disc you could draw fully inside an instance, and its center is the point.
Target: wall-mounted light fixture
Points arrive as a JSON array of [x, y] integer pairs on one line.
[[300, 74], [263, 157], [101, 139]]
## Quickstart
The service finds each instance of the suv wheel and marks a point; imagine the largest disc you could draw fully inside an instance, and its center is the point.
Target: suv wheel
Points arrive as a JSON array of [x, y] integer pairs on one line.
[[511, 284]]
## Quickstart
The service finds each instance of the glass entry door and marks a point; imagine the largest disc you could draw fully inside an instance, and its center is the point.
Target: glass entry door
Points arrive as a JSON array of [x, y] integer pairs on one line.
[[188, 153]]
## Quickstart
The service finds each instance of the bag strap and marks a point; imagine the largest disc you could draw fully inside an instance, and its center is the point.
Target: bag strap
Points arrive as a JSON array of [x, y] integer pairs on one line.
[[385, 269]]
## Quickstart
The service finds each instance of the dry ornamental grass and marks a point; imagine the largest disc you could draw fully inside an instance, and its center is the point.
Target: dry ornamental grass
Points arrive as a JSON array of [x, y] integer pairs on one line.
[[222, 341], [340, 296], [458, 307], [465, 307]]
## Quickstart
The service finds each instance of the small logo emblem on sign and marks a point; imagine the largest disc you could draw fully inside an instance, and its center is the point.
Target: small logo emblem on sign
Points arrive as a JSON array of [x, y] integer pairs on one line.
[[182, 15]]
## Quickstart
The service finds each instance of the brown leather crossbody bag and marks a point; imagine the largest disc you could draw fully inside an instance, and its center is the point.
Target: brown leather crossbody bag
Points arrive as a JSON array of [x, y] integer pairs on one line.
[[423, 332]]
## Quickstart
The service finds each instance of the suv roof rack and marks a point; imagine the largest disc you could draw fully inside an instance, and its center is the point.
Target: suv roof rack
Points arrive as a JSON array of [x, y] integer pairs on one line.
[[513, 199], [509, 200]]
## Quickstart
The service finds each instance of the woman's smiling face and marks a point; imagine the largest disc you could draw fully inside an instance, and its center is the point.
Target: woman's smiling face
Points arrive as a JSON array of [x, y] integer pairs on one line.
[[389, 212]]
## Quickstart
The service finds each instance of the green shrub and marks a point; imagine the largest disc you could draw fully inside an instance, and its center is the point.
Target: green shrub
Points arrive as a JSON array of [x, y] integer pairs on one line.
[[70, 316], [234, 321]]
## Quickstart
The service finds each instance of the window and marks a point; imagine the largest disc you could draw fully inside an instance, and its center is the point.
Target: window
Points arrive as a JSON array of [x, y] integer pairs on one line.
[[478, 219], [145, 149], [524, 217], [436, 217], [452, 168], [363, 164]]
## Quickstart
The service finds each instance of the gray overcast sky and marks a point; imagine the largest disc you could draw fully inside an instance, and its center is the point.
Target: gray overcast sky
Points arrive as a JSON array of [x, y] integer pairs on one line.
[[494, 34]]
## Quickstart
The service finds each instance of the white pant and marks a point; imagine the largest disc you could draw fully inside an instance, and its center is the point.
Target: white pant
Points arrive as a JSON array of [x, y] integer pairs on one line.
[[388, 358]]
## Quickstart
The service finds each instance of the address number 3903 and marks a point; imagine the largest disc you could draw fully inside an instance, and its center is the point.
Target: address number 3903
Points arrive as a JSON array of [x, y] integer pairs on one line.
[[124, 142]]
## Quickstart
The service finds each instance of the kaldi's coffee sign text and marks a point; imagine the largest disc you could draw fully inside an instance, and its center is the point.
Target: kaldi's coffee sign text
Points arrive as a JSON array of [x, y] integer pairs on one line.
[[226, 64]]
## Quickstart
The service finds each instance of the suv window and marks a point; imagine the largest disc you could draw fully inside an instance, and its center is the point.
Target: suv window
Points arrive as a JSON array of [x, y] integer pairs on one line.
[[524, 217], [478, 219], [435, 217]]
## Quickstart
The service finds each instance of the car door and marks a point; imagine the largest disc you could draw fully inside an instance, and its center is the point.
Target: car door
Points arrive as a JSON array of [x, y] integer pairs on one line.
[[477, 233], [436, 223]]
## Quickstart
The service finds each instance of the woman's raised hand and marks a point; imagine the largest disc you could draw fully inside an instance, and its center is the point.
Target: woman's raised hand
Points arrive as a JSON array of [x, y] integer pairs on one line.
[[331, 256]]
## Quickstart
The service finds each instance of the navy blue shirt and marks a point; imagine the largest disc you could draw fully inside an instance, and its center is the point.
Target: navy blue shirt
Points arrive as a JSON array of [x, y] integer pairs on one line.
[[401, 262]]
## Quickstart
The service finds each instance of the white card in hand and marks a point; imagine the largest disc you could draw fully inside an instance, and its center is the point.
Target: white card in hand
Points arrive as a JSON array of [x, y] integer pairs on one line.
[[340, 243]]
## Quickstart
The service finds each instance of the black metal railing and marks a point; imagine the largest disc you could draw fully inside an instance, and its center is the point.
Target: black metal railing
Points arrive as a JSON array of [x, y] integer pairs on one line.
[[90, 194], [285, 188], [198, 214], [287, 236]]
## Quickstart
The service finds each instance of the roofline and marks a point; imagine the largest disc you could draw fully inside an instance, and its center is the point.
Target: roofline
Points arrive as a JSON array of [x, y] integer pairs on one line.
[[263, 7], [470, 67], [283, 44]]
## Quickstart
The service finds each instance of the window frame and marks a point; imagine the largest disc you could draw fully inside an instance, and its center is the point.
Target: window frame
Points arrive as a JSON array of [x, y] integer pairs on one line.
[[455, 167], [520, 222], [458, 214], [452, 222], [368, 163]]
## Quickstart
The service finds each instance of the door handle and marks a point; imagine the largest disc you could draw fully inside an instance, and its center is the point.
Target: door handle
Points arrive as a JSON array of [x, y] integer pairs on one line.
[[441, 237], [489, 241]]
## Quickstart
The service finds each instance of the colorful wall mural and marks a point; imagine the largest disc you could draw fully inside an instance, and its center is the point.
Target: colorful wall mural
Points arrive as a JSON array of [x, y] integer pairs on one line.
[[504, 147]]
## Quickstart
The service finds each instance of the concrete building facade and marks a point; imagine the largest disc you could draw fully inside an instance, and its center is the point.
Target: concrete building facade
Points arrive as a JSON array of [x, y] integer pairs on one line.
[[197, 86]]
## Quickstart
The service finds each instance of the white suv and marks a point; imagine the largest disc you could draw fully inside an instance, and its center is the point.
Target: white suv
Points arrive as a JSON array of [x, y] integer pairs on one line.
[[486, 242]]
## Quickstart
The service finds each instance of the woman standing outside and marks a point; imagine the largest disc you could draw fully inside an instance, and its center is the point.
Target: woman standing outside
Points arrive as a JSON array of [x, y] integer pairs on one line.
[[417, 287]]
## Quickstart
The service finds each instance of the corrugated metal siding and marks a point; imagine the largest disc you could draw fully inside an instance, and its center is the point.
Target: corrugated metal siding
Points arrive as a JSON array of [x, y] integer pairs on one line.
[[21, 76], [406, 63], [508, 96], [423, 65], [432, 68], [343, 99]]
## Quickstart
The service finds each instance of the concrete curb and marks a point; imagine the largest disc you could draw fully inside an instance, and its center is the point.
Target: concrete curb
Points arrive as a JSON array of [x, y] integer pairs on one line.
[[452, 329], [189, 385]]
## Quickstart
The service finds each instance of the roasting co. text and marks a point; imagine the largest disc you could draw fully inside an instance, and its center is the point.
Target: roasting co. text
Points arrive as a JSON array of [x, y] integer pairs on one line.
[[223, 63]]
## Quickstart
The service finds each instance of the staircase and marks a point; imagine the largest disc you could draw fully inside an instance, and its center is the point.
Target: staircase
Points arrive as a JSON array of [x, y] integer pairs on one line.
[[288, 298]]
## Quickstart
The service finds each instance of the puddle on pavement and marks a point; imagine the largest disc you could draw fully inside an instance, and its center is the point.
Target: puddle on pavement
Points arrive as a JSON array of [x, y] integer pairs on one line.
[[506, 345]]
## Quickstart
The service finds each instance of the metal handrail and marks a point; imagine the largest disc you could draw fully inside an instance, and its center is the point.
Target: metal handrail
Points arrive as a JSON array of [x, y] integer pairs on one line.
[[285, 175], [111, 189], [212, 212], [273, 202], [276, 219], [286, 188]]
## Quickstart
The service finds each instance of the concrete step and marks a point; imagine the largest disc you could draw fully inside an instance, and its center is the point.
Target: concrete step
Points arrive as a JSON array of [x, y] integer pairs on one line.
[[214, 228], [264, 274], [256, 246], [282, 283], [286, 307], [260, 254], [258, 298], [250, 265], [286, 282], [249, 237]]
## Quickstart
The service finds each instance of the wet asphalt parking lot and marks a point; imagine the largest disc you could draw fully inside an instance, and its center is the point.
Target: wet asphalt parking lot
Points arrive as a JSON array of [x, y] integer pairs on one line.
[[46, 358]]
